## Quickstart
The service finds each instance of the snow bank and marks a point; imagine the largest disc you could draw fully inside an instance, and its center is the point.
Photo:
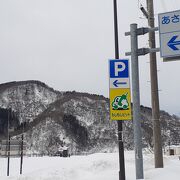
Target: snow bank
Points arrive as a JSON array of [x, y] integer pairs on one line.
[[101, 166]]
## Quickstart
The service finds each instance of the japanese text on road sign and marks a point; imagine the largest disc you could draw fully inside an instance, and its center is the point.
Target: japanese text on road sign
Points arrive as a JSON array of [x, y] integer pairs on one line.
[[175, 18]]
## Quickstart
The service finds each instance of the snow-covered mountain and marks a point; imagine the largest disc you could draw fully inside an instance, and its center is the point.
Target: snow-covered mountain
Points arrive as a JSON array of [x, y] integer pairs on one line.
[[27, 98], [52, 119], [79, 121]]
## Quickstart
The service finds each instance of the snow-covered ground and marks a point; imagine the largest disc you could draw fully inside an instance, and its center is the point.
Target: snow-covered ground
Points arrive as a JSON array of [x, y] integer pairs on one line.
[[100, 166]]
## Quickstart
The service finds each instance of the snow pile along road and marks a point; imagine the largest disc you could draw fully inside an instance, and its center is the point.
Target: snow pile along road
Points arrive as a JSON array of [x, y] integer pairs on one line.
[[102, 166]]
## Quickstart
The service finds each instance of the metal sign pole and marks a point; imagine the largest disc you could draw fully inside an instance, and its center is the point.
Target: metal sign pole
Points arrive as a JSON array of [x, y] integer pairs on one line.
[[136, 102], [120, 123]]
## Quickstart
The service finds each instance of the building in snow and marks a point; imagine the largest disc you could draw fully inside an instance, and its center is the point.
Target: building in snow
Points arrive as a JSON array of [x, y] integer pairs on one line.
[[172, 150]]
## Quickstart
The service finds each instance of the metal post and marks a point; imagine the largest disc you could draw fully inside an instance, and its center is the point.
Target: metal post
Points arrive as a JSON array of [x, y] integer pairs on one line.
[[21, 163], [120, 123], [121, 151], [8, 156], [136, 103], [116, 30], [8, 147], [158, 155]]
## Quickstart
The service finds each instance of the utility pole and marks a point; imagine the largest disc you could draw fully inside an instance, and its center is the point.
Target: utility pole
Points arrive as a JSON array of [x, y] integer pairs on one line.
[[158, 156], [119, 122]]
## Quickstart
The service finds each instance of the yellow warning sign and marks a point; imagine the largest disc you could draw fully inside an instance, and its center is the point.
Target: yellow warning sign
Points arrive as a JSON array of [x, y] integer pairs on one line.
[[120, 104]]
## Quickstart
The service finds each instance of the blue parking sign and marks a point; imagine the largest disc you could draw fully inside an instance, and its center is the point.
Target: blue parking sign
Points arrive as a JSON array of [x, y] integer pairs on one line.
[[119, 68]]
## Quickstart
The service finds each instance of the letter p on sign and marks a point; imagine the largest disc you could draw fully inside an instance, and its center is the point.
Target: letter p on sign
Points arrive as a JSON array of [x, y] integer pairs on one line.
[[119, 67]]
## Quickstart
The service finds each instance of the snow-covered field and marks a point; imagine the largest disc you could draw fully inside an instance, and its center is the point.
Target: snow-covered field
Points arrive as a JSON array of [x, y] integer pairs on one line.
[[100, 166]]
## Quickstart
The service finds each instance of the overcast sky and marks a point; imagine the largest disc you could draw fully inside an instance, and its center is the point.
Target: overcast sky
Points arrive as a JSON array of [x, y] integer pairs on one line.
[[67, 44]]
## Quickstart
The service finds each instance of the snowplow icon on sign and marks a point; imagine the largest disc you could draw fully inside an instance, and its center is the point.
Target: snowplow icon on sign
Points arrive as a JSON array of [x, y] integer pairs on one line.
[[120, 102]]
